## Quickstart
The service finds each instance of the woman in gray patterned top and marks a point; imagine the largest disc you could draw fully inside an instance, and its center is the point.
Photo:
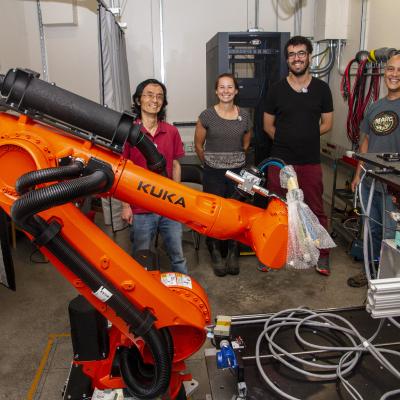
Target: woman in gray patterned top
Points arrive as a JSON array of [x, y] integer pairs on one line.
[[221, 139]]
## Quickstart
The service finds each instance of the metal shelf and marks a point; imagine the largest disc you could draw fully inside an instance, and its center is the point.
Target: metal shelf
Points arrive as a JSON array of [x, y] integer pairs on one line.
[[344, 195]]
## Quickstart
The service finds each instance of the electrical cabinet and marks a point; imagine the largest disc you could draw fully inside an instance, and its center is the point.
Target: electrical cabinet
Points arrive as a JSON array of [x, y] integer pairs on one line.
[[257, 60], [331, 19]]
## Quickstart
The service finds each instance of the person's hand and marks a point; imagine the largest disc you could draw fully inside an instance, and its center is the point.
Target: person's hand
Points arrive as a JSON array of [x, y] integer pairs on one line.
[[354, 183], [127, 214]]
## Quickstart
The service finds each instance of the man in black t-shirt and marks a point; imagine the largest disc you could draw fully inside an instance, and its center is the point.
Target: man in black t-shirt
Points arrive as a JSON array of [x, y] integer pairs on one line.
[[298, 111]]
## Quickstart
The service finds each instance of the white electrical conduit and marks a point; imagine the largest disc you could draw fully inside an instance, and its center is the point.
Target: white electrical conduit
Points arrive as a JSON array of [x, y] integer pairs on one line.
[[42, 37], [162, 58], [331, 61]]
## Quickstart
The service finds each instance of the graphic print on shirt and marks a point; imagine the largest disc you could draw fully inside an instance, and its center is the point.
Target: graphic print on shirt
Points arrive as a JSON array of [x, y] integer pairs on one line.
[[385, 123]]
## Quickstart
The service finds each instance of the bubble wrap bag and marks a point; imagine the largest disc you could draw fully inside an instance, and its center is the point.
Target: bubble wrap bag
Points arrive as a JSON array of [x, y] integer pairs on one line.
[[306, 235]]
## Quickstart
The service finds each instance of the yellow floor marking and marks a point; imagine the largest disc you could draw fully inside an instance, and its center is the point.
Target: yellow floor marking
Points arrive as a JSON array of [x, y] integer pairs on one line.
[[43, 361]]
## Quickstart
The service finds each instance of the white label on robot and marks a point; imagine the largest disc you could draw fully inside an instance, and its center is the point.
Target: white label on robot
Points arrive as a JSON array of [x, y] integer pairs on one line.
[[103, 294], [105, 394], [176, 279]]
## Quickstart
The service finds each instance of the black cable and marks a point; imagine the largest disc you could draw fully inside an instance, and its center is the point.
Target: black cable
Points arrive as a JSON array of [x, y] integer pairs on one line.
[[31, 179], [140, 323]]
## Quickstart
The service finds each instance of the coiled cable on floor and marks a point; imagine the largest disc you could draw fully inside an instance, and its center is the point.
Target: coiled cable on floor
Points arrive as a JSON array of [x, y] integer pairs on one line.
[[302, 318]]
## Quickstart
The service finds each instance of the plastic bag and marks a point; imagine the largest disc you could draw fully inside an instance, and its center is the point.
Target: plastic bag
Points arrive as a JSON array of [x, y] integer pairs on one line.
[[306, 235]]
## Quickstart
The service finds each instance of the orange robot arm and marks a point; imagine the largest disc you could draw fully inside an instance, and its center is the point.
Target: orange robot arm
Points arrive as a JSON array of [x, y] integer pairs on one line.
[[147, 311]]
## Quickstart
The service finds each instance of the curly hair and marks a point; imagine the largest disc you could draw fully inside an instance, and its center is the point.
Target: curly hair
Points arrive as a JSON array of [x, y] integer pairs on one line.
[[297, 41], [138, 94]]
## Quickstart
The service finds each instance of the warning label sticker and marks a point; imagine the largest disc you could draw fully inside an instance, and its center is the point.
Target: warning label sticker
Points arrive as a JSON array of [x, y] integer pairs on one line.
[[176, 279]]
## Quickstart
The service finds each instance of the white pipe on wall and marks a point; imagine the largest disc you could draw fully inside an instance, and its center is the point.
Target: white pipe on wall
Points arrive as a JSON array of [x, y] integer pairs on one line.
[[43, 51], [256, 14], [363, 29], [162, 60]]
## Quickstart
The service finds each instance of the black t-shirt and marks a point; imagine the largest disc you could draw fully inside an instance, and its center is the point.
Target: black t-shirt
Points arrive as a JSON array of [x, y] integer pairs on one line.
[[297, 118]]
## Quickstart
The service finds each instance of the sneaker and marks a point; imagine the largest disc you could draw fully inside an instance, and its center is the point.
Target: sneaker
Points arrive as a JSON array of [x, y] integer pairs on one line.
[[358, 280], [263, 268], [323, 267]]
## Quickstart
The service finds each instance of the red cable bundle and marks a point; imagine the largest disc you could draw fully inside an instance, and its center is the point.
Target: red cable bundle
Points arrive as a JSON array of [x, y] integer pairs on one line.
[[357, 99]]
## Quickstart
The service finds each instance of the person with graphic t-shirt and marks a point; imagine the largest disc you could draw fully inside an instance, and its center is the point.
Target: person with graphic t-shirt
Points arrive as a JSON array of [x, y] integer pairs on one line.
[[298, 110], [381, 128]]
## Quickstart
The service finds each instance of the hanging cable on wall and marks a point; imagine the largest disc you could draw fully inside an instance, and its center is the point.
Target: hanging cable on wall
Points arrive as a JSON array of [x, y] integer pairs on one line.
[[365, 88]]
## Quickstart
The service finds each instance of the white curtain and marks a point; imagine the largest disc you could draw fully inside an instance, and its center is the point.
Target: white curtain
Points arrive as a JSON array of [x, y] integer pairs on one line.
[[114, 89]]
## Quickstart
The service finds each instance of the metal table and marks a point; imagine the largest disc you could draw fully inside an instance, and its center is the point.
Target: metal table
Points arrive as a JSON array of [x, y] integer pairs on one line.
[[368, 377]]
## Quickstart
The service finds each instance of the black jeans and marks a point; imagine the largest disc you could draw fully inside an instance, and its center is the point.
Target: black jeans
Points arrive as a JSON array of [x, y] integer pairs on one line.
[[215, 182]]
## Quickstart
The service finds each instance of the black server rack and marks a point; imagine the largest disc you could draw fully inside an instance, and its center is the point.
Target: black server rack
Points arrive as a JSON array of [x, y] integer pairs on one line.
[[256, 59]]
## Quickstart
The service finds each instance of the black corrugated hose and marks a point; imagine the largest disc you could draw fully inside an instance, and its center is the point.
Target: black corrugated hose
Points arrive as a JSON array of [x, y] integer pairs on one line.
[[141, 324], [33, 178]]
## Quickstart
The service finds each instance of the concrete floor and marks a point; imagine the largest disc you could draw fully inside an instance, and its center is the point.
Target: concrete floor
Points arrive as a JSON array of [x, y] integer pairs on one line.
[[35, 317]]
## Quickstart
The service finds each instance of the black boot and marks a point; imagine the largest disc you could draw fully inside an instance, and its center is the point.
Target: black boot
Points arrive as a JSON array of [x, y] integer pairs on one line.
[[232, 259], [216, 259]]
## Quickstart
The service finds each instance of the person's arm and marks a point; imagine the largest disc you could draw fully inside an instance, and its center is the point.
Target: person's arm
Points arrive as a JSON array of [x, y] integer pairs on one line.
[[246, 140], [363, 149], [127, 214], [269, 125], [199, 139], [326, 123], [176, 171]]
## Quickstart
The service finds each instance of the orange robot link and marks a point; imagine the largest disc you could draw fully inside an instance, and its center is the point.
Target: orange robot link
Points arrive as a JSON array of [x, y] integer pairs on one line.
[[146, 310]]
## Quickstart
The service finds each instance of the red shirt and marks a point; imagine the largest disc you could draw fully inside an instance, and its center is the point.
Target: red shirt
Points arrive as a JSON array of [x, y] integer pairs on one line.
[[168, 143]]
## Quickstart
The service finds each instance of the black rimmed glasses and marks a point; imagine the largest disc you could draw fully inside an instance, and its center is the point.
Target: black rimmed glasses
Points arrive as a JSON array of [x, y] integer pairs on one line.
[[300, 54]]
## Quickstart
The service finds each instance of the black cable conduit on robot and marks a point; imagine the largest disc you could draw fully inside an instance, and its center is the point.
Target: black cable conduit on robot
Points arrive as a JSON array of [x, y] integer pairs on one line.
[[38, 200], [140, 323], [155, 160], [31, 179], [25, 92], [132, 365]]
